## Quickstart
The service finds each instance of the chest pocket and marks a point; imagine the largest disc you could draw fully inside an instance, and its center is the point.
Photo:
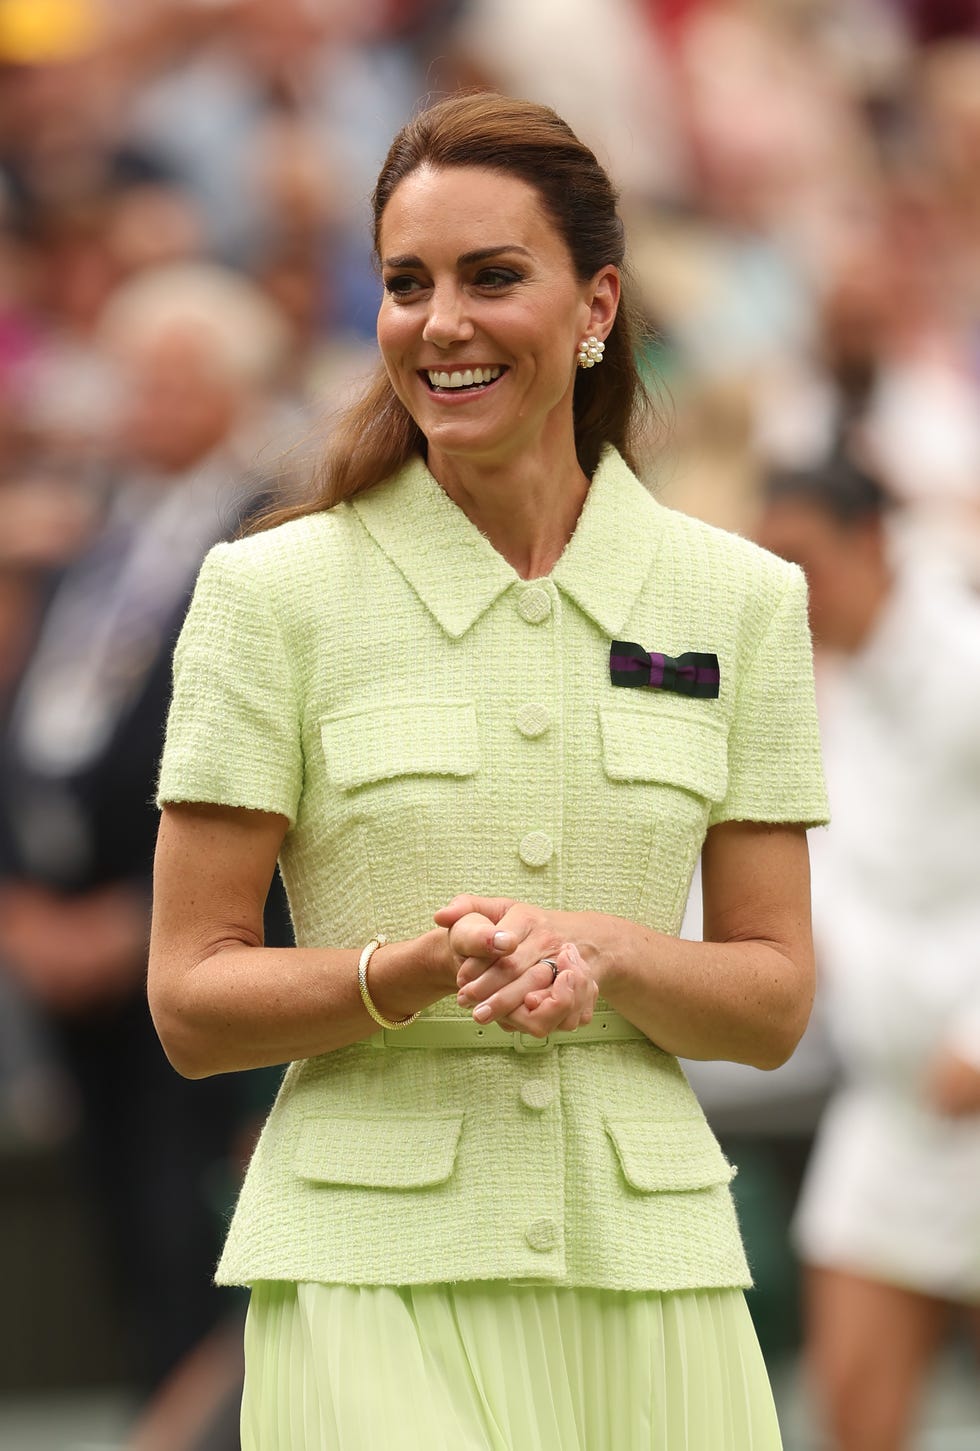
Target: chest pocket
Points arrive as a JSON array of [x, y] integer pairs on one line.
[[688, 751], [403, 738]]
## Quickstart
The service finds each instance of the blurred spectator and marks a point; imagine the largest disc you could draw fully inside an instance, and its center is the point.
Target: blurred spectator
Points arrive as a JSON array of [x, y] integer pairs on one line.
[[198, 350], [889, 1220], [599, 65], [277, 125]]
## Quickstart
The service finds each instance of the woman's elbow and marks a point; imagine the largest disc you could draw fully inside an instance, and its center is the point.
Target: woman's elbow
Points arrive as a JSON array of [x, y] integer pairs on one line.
[[782, 1037], [182, 1044], [182, 1049]]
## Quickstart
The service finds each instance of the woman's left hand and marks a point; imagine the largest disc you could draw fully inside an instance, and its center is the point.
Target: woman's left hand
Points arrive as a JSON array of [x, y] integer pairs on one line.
[[504, 948]]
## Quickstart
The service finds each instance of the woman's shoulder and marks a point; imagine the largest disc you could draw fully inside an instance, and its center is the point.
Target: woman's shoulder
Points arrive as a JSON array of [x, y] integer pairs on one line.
[[705, 553], [287, 564], [733, 556], [290, 543], [712, 572]]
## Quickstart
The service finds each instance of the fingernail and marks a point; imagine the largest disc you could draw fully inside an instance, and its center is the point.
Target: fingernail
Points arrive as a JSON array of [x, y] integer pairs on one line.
[[501, 940], [483, 1013]]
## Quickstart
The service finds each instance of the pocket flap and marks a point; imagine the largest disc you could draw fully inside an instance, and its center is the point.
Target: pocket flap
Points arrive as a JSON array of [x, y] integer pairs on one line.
[[687, 750], [396, 1151], [676, 1154], [410, 738]]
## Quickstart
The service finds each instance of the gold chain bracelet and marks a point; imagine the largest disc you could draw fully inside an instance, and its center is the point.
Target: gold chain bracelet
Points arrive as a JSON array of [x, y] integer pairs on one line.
[[379, 940]]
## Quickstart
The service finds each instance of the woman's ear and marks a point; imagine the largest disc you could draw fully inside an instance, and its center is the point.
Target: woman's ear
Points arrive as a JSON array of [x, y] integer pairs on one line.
[[604, 301]]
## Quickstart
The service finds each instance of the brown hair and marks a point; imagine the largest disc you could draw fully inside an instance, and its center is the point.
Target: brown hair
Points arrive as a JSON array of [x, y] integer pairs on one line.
[[376, 435]]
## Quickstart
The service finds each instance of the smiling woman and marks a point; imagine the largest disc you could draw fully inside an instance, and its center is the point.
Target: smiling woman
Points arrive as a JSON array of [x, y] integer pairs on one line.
[[486, 1211], [514, 312]]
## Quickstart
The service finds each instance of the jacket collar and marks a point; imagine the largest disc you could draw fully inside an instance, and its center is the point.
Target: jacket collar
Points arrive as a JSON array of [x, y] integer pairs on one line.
[[457, 574]]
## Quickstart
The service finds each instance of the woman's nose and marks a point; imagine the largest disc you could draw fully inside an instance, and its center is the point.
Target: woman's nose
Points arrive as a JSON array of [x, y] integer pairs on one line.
[[448, 321]]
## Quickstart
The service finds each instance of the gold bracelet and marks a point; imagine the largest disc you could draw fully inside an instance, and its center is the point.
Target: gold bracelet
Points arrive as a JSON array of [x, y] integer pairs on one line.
[[379, 940]]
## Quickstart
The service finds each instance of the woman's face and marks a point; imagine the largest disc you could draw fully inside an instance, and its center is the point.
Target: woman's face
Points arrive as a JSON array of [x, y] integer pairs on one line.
[[482, 314]]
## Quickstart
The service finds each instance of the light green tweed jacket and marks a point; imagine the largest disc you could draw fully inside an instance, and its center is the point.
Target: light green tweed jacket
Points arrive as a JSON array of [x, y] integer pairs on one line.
[[430, 723]]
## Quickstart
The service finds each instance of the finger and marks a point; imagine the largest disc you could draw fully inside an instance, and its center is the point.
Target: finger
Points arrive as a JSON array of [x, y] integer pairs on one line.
[[566, 956], [573, 994], [569, 1024], [471, 969], [509, 997], [460, 906], [580, 1016], [476, 982], [556, 1004], [475, 935], [513, 958]]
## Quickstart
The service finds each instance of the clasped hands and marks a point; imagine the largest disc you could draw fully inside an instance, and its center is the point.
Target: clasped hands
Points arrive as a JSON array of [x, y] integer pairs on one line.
[[498, 945]]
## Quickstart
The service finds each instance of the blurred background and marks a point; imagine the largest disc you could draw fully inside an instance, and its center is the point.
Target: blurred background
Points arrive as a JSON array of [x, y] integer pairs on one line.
[[186, 296]]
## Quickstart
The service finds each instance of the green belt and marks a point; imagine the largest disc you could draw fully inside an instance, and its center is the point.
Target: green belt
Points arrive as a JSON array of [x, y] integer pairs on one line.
[[465, 1033]]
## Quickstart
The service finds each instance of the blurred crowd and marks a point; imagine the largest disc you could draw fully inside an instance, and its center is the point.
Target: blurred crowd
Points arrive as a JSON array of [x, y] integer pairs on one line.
[[187, 294]]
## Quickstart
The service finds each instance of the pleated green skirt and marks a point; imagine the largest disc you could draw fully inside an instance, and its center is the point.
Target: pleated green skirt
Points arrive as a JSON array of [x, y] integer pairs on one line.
[[490, 1366]]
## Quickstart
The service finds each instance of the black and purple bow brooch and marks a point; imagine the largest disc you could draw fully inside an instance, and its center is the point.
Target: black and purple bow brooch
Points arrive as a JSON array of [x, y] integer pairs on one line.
[[688, 674]]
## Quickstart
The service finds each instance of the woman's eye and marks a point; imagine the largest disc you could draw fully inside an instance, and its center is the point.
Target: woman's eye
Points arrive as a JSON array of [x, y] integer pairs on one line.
[[402, 286], [497, 277]]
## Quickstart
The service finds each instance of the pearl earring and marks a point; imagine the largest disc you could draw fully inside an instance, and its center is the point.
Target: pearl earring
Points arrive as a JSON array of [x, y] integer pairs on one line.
[[590, 352]]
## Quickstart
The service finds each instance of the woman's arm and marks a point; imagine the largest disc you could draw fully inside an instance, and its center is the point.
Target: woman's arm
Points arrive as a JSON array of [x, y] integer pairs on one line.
[[220, 1000], [744, 993]]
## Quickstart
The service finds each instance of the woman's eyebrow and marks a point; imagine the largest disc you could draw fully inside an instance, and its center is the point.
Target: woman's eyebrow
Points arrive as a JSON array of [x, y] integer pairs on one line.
[[483, 254], [465, 259]]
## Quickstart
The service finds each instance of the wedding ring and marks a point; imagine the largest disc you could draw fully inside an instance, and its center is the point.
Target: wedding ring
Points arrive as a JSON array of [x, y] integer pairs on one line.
[[552, 964]]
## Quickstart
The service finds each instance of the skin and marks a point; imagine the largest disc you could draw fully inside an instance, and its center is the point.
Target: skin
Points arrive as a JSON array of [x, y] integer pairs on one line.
[[868, 1348], [506, 456], [869, 1345]]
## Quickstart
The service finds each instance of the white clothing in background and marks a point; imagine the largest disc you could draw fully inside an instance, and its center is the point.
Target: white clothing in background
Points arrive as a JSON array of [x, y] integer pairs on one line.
[[893, 1187]]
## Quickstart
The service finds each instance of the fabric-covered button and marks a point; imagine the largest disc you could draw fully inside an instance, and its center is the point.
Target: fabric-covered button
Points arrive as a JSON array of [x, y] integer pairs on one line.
[[537, 1093], [533, 720], [542, 1234], [536, 849], [534, 605]]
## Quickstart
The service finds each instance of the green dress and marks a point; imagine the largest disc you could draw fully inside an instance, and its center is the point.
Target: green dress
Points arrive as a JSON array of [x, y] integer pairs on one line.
[[496, 1367], [489, 1248]]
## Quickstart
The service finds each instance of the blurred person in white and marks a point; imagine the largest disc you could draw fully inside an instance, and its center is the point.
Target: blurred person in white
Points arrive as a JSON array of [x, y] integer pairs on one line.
[[888, 1223], [198, 350]]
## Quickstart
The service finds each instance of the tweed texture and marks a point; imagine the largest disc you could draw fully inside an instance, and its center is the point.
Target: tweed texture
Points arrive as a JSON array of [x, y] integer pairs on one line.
[[430, 723]]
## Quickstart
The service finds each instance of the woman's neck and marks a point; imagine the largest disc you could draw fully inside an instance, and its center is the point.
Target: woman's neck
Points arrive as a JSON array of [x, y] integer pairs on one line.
[[527, 508]]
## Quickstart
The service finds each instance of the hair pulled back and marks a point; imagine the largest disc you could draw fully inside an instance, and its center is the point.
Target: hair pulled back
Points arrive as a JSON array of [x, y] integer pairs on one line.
[[376, 435]]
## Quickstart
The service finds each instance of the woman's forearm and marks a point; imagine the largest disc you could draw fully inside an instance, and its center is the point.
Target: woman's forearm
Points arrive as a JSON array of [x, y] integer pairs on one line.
[[744, 1001], [243, 1006]]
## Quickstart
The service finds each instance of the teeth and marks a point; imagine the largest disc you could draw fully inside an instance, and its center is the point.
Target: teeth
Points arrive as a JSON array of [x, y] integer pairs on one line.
[[465, 379]]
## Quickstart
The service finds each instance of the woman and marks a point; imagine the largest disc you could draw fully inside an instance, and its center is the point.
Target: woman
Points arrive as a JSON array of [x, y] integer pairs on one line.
[[412, 693]]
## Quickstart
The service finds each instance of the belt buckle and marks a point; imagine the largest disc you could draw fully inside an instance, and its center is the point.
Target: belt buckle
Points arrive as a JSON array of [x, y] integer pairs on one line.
[[528, 1043]]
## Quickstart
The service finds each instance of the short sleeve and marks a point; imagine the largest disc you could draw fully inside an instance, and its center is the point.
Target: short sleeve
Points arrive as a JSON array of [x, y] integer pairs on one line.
[[775, 771], [233, 731]]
